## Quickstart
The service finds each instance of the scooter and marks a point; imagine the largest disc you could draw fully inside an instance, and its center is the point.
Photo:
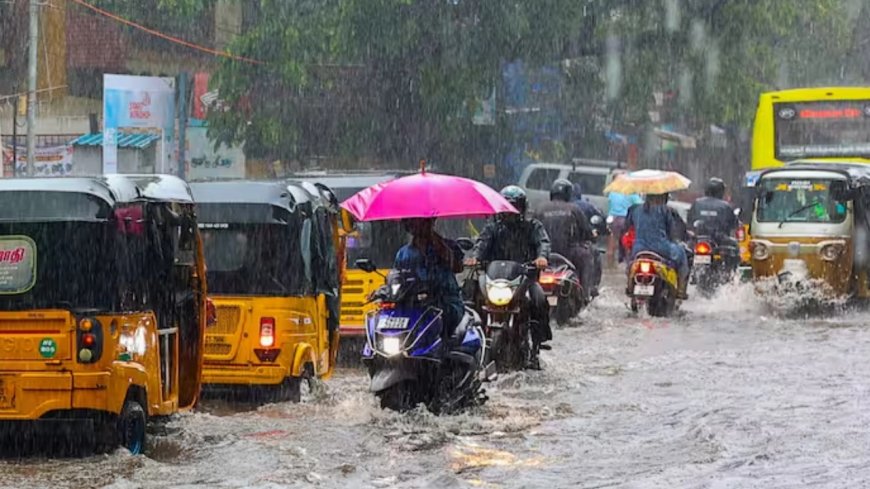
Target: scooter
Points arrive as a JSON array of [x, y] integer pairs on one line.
[[411, 360], [652, 284]]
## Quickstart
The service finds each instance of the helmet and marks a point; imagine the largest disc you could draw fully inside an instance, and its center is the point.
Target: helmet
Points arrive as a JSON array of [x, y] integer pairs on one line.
[[715, 188], [561, 190], [516, 196]]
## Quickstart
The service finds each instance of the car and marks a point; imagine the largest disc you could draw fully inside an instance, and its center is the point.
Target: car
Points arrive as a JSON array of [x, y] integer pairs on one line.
[[592, 175]]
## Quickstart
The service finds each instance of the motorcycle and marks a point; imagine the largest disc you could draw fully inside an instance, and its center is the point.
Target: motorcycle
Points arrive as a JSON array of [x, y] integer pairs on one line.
[[561, 284], [716, 260], [408, 357], [502, 299], [653, 284]]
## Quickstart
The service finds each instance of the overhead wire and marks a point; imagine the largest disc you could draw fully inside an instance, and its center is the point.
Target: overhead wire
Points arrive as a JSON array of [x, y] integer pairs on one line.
[[166, 37]]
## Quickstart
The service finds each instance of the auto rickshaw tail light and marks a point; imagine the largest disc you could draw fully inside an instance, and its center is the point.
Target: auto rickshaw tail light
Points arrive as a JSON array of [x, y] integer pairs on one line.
[[89, 338], [210, 312], [740, 234], [267, 332], [703, 248]]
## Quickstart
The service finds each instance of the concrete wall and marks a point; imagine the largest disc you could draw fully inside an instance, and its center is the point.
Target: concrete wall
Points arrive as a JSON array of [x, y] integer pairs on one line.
[[88, 160]]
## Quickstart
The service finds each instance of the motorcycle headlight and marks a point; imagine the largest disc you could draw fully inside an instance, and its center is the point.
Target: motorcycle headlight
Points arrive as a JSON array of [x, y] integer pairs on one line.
[[499, 295], [391, 345]]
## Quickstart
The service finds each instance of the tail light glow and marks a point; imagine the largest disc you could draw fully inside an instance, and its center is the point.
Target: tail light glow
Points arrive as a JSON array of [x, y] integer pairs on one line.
[[703, 248], [645, 267], [88, 340], [267, 332]]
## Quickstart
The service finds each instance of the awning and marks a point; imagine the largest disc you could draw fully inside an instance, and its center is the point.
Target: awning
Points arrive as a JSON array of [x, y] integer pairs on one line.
[[125, 140]]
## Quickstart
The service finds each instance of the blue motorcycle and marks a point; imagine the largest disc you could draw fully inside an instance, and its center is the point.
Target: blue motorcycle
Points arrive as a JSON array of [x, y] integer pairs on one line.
[[409, 357]]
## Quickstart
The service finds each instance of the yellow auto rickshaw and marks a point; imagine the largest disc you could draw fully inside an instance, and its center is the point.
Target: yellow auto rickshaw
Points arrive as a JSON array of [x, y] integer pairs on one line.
[[272, 255], [102, 305], [805, 226]]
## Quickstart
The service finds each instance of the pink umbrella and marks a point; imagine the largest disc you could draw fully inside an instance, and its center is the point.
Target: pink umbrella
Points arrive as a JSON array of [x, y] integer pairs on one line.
[[426, 195]]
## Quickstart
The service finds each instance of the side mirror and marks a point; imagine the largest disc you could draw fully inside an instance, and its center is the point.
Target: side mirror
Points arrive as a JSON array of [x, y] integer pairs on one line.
[[465, 243], [365, 265], [698, 224], [610, 219], [737, 212], [595, 221]]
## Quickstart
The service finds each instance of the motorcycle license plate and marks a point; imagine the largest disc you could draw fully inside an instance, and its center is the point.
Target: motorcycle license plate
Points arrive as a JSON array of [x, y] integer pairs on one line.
[[645, 290], [703, 259], [553, 300], [387, 322]]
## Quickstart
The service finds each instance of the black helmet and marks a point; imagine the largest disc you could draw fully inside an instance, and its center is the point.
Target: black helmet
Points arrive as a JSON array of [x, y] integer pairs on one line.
[[561, 190], [715, 188], [516, 196]]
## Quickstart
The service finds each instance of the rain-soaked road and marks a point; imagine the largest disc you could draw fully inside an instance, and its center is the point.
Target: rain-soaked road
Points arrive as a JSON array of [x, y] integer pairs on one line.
[[722, 397]]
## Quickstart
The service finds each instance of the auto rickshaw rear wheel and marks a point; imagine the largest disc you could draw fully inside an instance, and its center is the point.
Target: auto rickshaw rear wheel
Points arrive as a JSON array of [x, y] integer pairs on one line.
[[131, 427], [290, 390]]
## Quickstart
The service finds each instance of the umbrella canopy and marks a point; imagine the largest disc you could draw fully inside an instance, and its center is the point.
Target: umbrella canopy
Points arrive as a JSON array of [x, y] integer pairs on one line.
[[426, 195], [649, 182]]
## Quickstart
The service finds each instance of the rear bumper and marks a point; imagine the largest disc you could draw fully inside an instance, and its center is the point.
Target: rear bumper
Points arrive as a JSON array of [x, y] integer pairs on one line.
[[235, 374], [32, 395]]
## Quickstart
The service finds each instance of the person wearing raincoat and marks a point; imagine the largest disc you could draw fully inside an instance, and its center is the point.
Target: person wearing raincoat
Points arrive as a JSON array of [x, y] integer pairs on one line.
[[434, 260], [522, 239], [655, 229]]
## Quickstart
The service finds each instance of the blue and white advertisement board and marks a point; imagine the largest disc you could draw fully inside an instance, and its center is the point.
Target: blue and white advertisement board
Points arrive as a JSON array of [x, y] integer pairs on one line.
[[141, 102]]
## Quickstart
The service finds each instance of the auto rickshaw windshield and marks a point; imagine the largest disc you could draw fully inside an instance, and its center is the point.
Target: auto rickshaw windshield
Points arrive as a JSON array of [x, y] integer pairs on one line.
[[799, 200]]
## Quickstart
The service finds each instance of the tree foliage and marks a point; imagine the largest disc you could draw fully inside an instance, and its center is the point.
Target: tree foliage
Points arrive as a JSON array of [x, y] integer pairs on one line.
[[398, 79]]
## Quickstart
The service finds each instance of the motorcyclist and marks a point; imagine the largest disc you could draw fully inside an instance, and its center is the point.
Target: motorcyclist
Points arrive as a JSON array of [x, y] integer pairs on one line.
[[434, 260], [716, 214], [655, 228], [570, 233], [591, 210], [515, 237]]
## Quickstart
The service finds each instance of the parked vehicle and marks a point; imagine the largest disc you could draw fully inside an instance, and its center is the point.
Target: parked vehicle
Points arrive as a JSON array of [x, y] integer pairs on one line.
[[270, 249], [102, 306], [409, 357]]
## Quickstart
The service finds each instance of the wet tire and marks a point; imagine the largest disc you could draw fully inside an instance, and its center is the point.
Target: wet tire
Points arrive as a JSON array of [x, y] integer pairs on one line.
[[131, 427], [398, 397], [562, 313], [290, 390]]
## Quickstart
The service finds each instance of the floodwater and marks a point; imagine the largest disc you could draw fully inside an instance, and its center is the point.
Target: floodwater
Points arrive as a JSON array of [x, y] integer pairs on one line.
[[724, 396]]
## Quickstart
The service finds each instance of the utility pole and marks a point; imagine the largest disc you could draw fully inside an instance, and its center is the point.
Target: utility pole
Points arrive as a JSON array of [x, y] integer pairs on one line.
[[31, 87]]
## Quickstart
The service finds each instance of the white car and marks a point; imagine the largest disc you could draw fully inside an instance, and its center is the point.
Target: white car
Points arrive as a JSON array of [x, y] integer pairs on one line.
[[592, 175]]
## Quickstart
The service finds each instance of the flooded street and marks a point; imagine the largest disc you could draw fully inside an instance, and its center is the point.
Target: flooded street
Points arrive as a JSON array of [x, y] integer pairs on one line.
[[724, 396]]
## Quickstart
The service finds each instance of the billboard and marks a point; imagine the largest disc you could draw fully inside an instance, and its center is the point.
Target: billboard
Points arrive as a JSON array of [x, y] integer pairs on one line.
[[139, 102], [50, 161]]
